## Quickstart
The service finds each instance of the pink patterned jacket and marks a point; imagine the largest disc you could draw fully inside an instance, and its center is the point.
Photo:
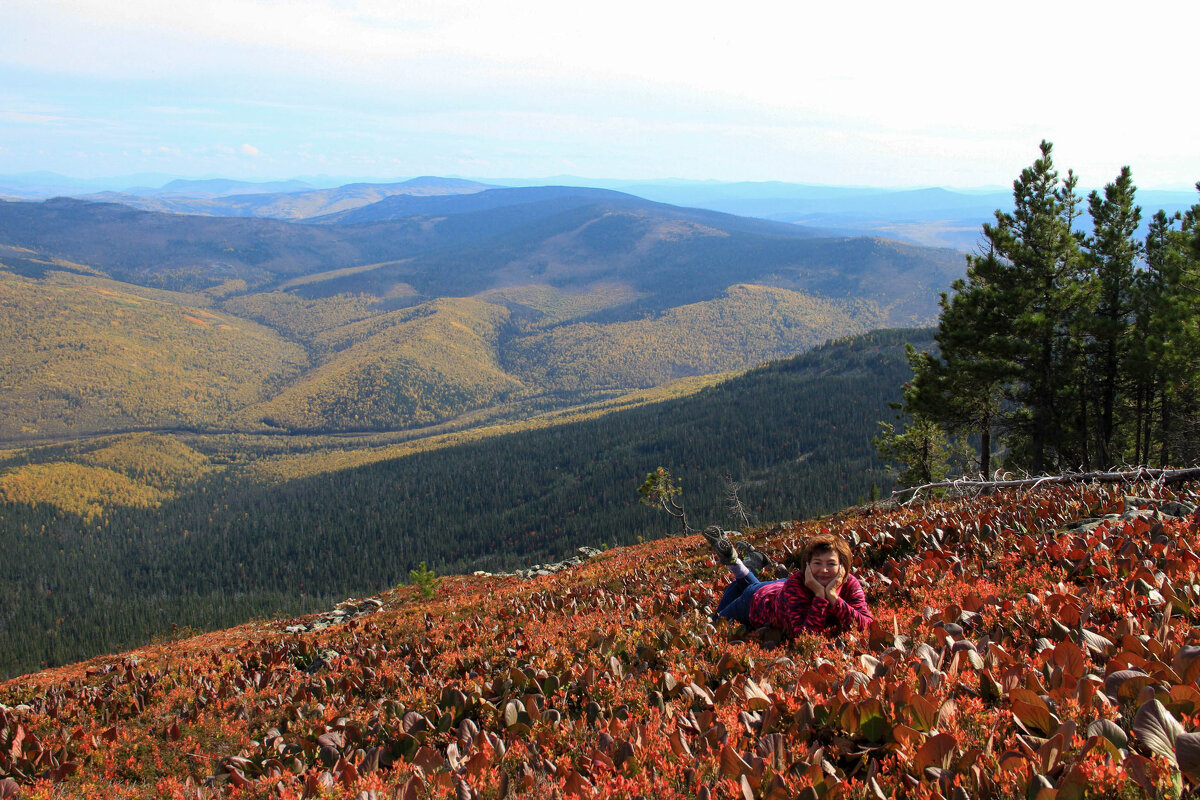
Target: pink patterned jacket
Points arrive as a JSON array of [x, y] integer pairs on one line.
[[791, 607]]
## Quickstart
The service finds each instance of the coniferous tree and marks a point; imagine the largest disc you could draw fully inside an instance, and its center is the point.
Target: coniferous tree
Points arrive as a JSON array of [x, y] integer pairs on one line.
[[962, 387], [1042, 292], [1165, 344], [1112, 254], [1006, 336]]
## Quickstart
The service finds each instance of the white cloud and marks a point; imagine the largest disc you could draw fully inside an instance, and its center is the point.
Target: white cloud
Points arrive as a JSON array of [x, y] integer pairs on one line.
[[891, 85], [26, 118], [249, 150]]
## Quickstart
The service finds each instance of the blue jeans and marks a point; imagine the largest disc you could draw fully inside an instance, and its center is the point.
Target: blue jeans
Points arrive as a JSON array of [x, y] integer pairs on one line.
[[735, 602]]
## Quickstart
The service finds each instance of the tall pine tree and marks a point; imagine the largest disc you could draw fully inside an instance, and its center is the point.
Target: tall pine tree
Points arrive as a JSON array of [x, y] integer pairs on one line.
[[962, 388], [1112, 254]]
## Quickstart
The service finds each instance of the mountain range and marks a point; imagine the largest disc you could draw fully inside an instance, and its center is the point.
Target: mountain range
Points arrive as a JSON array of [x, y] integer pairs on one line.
[[414, 309], [932, 216]]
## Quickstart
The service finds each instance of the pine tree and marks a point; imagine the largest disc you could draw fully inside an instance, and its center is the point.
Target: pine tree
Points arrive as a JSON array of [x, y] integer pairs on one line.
[[1043, 293], [1112, 254], [962, 387], [1165, 344], [923, 448]]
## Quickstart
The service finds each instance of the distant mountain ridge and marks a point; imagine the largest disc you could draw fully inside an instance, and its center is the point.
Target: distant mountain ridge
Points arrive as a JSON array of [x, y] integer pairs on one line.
[[291, 200], [221, 187]]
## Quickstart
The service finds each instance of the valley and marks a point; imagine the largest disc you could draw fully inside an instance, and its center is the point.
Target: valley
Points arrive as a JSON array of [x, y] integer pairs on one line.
[[208, 418]]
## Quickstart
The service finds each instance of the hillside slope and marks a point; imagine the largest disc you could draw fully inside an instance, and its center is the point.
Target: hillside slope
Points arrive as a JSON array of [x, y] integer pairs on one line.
[[280, 524], [80, 353], [1013, 654]]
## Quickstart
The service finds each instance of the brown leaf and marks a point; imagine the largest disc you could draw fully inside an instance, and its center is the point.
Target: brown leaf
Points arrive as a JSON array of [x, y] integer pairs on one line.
[[1125, 684], [1187, 663], [577, 785], [1037, 718], [920, 712], [408, 789], [1050, 752], [428, 759], [1109, 730], [333, 739], [1139, 768], [732, 765], [1187, 755], [679, 745], [937, 752], [756, 698], [1157, 729], [906, 736]]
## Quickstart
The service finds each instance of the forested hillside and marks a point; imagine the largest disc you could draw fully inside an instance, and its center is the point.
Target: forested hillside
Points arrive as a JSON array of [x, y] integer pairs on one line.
[[80, 354], [212, 545]]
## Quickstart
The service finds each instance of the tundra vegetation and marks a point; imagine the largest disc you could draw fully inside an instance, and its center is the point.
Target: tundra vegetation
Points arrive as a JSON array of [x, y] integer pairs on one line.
[[1027, 642]]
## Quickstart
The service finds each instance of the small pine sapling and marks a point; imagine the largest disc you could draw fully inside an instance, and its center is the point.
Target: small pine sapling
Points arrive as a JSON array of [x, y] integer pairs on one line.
[[424, 579], [661, 490]]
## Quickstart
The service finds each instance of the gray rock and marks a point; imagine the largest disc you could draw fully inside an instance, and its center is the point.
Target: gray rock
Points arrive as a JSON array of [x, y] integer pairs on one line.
[[1174, 508]]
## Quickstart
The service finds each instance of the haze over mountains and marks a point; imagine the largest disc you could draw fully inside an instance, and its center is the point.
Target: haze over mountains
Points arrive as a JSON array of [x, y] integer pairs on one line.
[[414, 309], [932, 216]]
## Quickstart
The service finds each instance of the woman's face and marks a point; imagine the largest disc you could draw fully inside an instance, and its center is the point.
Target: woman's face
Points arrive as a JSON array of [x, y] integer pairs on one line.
[[824, 566]]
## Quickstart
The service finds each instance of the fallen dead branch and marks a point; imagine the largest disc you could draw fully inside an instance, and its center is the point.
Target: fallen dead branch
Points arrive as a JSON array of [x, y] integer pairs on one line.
[[1163, 476]]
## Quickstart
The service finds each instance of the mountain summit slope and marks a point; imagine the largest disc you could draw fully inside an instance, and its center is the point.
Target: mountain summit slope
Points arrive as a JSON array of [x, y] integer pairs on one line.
[[607, 679]]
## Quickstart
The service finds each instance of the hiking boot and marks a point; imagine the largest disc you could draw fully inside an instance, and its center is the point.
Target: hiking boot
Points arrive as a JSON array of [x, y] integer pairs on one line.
[[755, 560], [721, 545]]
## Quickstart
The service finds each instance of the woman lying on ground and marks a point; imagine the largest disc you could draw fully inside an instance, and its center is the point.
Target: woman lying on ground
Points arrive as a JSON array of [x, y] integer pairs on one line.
[[823, 597]]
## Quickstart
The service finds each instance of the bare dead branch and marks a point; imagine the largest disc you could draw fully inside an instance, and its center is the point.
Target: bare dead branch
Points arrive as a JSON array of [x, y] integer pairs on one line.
[[734, 503], [1162, 476]]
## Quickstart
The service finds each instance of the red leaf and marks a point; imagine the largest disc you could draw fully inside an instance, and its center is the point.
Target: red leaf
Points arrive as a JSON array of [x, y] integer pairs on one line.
[[577, 785], [1068, 656]]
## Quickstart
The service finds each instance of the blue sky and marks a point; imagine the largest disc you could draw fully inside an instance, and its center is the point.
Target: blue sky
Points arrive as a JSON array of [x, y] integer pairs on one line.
[[882, 94]]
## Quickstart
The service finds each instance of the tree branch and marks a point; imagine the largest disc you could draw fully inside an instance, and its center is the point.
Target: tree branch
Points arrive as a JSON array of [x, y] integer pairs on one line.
[[1163, 476]]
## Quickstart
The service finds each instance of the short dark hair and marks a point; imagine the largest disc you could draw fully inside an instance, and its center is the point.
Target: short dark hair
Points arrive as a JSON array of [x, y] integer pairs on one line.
[[824, 543]]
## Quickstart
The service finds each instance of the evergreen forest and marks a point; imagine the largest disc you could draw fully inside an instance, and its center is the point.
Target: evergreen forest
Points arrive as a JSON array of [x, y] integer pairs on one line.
[[1065, 347]]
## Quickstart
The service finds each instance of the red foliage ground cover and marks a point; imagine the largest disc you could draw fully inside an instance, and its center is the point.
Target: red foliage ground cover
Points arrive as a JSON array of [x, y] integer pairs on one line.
[[1012, 657]]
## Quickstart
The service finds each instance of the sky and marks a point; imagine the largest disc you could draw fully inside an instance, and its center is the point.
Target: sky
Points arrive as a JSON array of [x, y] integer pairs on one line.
[[954, 94]]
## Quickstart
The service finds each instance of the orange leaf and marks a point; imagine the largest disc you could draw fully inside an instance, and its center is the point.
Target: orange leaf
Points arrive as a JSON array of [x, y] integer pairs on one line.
[[937, 752]]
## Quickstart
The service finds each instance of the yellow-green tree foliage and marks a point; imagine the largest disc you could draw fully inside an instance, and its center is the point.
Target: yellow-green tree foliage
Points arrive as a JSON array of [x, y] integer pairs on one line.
[[749, 325], [79, 353], [76, 488], [430, 363]]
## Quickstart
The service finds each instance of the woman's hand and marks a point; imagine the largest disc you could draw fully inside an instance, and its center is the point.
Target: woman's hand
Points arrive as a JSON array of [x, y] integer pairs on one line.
[[811, 582], [831, 591]]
